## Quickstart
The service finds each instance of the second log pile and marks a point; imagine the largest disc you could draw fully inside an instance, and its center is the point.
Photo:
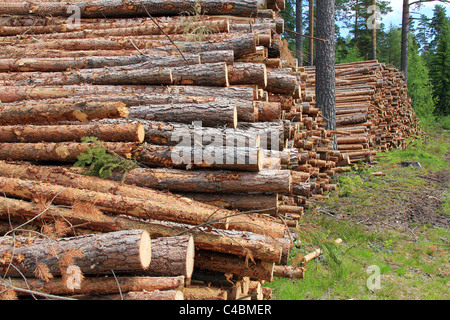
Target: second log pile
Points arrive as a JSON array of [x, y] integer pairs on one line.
[[211, 105]]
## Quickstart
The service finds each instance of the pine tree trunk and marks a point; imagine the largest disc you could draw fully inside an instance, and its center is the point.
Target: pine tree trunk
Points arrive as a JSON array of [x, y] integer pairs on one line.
[[325, 61], [404, 40], [299, 29]]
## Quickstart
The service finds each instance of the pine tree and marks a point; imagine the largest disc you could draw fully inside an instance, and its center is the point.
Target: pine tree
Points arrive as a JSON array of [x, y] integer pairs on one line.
[[437, 57]]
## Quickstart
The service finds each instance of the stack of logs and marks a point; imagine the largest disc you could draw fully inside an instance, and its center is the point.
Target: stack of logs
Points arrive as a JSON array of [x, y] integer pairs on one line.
[[373, 111], [206, 98]]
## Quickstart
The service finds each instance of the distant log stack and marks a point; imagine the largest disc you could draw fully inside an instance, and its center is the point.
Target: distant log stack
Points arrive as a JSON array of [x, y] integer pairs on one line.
[[227, 143]]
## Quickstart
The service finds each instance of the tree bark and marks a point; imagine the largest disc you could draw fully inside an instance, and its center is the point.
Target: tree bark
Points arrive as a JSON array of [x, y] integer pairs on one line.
[[120, 132], [144, 295], [93, 62], [248, 73], [404, 40], [26, 113], [311, 32], [123, 251], [151, 76], [289, 272], [299, 29], [211, 157], [139, 208], [214, 181], [210, 113], [172, 256], [20, 93], [325, 70], [99, 285], [204, 293], [58, 151], [116, 8], [245, 244], [239, 267], [264, 203]]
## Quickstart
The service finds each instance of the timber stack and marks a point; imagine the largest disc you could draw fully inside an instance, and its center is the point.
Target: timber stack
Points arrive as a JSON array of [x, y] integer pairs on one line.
[[206, 101], [373, 111]]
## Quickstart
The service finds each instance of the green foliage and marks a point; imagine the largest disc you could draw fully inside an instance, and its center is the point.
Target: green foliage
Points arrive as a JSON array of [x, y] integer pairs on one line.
[[438, 59], [193, 29], [348, 185], [98, 161], [420, 89]]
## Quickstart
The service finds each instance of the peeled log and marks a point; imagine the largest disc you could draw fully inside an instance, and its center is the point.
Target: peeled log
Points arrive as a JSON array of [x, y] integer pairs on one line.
[[59, 151], [120, 132], [204, 293], [50, 112], [121, 251]]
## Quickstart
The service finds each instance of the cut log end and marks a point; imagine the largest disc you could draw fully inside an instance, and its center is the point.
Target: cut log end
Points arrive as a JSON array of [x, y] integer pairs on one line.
[[235, 117], [140, 133], [190, 254], [145, 250]]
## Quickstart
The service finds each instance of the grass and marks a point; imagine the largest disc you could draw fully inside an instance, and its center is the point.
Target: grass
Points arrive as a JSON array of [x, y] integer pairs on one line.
[[395, 224]]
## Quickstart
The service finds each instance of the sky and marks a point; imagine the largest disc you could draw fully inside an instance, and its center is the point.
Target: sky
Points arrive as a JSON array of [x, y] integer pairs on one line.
[[395, 17]]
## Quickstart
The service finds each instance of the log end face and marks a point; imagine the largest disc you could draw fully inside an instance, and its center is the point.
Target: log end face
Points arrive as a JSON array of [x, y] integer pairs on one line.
[[140, 132], [145, 250], [190, 254]]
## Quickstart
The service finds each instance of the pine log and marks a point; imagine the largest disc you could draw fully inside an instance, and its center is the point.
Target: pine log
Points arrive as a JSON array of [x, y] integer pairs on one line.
[[121, 132], [204, 293], [101, 76], [94, 62], [239, 267], [240, 44], [210, 114], [59, 151], [268, 111], [208, 74], [124, 251], [98, 285], [245, 244], [263, 203], [210, 181], [49, 112], [157, 208], [172, 256], [211, 157], [115, 8], [248, 73], [196, 213], [289, 272], [142, 295], [20, 93], [281, 83], [166, 133]]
